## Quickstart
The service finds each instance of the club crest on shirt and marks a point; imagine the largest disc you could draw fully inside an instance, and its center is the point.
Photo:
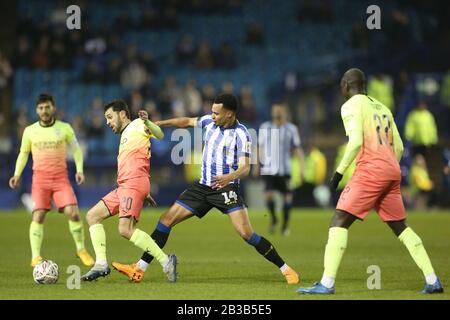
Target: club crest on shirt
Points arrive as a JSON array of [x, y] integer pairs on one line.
[[58, 132]]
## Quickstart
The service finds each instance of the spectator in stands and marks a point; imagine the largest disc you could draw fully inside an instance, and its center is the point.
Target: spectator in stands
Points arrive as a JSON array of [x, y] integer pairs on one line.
[[398, 30], [186, 49], [400, 84], [204, 58], [360, 36], [133, 75], [422, 188], [40, 56], [5, 74], [95, 134], [313, 176], [93, 73], [150, 107], [316, 11], [421, 130], [247, 111], [227, 87], [113, 71], [149, 19], [208, 94], [192, 99], [136, 101], [255, 35], [22, 54], [149, 90], [169, 18], [58, 53], [446, 193], [445, 100], [445, 90], [226, 57], [79, 128], [380, 87], [148, 60]]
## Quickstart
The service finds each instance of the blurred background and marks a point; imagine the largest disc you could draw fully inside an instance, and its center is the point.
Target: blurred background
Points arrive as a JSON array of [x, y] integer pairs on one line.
[[172, 57]]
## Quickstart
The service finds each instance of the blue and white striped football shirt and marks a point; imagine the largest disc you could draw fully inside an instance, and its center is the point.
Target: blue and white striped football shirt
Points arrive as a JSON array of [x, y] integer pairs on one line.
[[275, 146], [222, 148]]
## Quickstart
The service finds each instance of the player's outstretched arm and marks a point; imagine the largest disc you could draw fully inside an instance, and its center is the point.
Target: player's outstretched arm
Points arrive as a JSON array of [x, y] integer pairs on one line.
[[183, 122], [153, 127]]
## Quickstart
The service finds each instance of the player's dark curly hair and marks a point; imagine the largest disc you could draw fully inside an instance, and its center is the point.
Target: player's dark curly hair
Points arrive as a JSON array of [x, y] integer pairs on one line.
[[117, 106], [45, 97], [229, 101]]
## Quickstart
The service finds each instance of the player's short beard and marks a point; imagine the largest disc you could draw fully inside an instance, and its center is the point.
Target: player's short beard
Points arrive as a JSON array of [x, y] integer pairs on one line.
[[50, 121], [119, 126]]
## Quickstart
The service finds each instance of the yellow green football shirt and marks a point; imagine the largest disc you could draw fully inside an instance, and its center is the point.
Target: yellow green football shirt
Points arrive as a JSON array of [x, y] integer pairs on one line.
[[373, 137], [48, 146]]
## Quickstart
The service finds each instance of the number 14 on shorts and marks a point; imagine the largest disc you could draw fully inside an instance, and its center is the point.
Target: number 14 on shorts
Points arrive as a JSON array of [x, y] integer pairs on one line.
[[230, 197]]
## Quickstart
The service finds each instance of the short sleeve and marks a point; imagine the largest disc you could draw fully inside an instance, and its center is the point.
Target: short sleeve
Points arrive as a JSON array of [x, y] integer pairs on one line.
[[204, 121], [296, 141], [26, 141], [70, 134], [244, 143], [351, 117]]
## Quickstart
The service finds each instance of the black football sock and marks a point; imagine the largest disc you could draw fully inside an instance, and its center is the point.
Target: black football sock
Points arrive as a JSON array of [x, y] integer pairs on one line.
[[266, 249], [271, 206]]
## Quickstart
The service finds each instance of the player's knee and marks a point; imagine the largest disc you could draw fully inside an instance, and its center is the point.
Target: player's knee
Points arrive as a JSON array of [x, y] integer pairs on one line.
[[166, 220], [245, 234], [125, 231], [342, 219], [39, 216], [169, 219], [92, 218], [72, 212], [397, 227]]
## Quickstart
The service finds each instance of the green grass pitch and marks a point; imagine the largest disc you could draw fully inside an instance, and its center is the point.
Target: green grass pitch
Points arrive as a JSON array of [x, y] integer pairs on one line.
[[214, 263]]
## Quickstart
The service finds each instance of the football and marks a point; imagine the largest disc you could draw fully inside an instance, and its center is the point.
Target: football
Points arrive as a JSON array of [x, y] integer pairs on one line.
[[46, 272]]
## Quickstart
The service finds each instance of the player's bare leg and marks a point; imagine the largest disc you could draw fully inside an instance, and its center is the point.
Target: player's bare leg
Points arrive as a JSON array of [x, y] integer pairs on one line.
[[77, 230], [242, 225], [37, 235]]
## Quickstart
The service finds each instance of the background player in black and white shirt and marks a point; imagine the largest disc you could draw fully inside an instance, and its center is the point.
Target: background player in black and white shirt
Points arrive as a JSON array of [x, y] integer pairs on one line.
[[277, 140]]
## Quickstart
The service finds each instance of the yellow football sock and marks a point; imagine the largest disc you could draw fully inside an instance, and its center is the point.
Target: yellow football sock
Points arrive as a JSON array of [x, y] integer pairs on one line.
[[36, 236], [98, 238], [334, 250], [77, 231], [415, 247], [143, 241]]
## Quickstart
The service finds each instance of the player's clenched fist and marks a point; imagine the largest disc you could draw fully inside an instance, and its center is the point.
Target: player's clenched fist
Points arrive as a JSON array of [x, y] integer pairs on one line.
[[13, 182], [143, 115]]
